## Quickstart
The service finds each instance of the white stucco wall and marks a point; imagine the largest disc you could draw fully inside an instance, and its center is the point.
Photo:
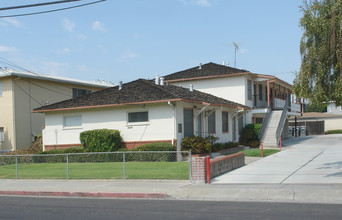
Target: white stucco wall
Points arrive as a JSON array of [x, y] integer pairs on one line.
[[230, 88], [159, 127], [162, 125]]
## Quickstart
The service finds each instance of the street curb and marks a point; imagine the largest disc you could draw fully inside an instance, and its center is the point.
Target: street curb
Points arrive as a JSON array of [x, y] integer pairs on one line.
[[87, 194]]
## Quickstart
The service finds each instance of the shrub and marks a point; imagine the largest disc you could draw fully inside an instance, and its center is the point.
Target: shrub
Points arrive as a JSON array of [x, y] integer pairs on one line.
[[101, 140], [338, 131], [197, 144], [250, 134], [223, 146]]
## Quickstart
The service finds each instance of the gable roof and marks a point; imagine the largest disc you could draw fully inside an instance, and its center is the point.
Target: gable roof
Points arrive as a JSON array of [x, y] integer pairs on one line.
[[31, 75], [204, 71], [213, 70], [138, 92]]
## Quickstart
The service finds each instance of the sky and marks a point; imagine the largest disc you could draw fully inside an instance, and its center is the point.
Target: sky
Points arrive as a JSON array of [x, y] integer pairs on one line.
[[123, 40]]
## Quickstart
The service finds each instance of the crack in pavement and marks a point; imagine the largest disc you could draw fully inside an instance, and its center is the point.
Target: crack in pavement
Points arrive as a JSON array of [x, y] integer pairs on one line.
[[302, 166]]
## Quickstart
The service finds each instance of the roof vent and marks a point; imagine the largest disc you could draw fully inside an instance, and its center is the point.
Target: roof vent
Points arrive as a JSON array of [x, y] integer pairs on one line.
[[157, 80], [120, 85], [200, 66], [162, 79], [191, 88]]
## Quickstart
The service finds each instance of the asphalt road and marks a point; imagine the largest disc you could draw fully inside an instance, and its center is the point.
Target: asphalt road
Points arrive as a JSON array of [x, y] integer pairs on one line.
[[82, 208]]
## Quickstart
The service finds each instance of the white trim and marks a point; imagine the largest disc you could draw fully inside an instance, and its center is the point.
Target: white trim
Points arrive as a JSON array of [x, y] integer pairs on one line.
[[6, 73]]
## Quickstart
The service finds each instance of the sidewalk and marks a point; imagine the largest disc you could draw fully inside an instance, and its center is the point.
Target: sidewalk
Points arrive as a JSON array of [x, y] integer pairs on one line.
[[182, 190], [308, 170]]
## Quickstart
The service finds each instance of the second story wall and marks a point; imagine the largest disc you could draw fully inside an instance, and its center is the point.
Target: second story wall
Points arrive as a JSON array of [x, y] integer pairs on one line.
[[230, 88]]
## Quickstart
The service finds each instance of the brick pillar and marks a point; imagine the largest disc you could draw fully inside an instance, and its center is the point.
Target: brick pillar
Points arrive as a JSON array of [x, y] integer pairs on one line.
[[199, 169]]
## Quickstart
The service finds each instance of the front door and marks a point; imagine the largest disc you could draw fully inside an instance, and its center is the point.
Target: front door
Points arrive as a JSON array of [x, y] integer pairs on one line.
[[199, 125], [188, 123]]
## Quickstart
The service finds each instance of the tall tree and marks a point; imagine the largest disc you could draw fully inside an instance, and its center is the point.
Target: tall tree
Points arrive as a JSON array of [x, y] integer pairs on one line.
[[319, 78]]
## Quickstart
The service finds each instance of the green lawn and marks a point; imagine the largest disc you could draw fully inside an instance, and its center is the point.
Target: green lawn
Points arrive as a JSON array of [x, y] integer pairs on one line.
[[257, 152], [114, 170]]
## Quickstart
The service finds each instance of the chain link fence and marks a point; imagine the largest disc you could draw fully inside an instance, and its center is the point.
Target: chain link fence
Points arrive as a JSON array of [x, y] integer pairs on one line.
[[173, 165]]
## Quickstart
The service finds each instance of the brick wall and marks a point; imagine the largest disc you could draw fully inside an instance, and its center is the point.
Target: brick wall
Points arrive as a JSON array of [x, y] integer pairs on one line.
[[223, 164], [218, 166]]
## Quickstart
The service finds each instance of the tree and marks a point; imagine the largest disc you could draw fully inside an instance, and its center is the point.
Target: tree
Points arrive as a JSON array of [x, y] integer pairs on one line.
[[319, 78]]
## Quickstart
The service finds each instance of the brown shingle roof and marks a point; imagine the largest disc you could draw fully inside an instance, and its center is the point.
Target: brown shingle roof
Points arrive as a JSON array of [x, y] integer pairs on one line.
[[139, 91], [206, 70]]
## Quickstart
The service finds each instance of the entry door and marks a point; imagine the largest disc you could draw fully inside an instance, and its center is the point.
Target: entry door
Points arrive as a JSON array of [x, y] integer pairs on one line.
[[188, 123], [199, 125]]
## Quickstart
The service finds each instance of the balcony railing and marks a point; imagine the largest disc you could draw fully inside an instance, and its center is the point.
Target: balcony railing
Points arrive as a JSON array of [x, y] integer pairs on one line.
[[279, 103]]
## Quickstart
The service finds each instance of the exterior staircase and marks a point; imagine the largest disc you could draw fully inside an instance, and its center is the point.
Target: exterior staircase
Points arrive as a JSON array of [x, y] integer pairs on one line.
[[270, 139]]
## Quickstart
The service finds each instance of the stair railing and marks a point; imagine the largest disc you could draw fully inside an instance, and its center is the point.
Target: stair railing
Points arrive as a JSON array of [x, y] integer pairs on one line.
[[265, 122], [282, 120]]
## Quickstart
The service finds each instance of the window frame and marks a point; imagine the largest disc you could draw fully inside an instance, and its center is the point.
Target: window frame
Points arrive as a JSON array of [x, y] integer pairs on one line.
[[78, 126], [213, 114], [76, 92], [137, 122], [225, 122], [249, 89]]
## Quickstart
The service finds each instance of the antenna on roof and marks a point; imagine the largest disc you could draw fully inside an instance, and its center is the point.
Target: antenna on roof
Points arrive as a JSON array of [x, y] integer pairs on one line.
[[235, 52]]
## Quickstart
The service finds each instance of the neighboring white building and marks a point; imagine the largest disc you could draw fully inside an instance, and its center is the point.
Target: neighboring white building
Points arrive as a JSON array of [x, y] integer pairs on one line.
[[333, 109], [143, 112], [21, 92], [256, 91]]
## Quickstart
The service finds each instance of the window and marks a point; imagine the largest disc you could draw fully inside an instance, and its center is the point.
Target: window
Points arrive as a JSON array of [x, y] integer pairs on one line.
[[211, 123], [249, 89], [260, 92], [79, 92], [73, 121], [0, 89], [2, 134], [225, 125], [137, 117]]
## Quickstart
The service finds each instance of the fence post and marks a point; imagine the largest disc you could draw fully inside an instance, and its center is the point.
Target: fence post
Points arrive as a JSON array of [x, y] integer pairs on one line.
[[124, 165], [190, 165], [16, 167], [208, 169], [262, 149], [67, 166], [280, 143]]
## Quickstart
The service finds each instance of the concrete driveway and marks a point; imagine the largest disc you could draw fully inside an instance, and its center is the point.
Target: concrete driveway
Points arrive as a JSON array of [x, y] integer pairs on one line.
[[304, 160]]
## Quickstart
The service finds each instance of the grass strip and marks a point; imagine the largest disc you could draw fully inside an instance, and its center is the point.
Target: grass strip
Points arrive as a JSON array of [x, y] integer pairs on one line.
[[257, 152], [105, 170]]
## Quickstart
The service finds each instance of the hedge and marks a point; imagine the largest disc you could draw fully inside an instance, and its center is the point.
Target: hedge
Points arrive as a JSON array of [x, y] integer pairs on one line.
[[165, 157], [101, 140], [337, 131], [222, 146]]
